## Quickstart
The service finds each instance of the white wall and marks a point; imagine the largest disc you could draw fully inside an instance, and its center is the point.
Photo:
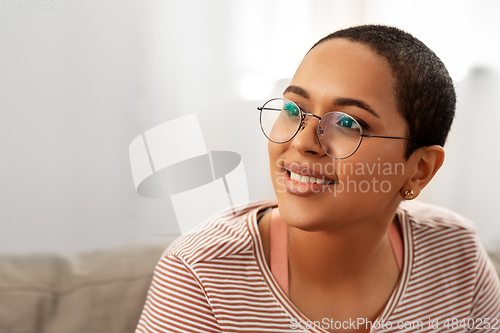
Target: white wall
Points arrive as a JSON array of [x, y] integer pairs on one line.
[[469, 180], [79, 83]]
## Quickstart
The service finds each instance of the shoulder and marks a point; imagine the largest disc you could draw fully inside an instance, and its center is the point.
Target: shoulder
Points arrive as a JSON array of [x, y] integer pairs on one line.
[[427, 216], [225, 234], [440, 235], [445, 260]]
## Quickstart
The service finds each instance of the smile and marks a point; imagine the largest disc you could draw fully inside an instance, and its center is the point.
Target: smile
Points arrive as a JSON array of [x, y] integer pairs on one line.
[[306, 184], [308, 179]]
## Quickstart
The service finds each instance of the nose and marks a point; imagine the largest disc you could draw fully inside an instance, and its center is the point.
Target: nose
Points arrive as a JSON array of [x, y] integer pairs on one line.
[[306, 141]]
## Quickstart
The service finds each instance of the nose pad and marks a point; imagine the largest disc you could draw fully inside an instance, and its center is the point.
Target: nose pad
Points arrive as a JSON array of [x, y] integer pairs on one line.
[[307, 143], [303, 124]]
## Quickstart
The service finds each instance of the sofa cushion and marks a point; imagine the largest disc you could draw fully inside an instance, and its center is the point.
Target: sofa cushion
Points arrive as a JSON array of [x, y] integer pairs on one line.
[[495, 258], [102, 291]]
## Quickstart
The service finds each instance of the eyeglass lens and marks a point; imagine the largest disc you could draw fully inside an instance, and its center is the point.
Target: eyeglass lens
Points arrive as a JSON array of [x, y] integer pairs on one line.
[[339, 134]]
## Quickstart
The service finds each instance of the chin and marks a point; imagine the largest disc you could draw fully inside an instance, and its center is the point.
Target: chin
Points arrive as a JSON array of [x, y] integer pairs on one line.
[[299, 214]]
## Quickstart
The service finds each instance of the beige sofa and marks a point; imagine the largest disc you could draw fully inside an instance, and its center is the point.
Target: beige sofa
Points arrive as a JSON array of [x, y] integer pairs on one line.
[[98, 292], [102, 291]]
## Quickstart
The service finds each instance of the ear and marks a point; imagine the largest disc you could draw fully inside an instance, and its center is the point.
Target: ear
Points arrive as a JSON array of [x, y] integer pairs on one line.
[[427, 161]]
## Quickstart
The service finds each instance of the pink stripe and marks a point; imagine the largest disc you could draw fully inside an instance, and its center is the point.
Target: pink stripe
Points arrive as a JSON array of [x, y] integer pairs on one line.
[[279, 250], [397, 244]]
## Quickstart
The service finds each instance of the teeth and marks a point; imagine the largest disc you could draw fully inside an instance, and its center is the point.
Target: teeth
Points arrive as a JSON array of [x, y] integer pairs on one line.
[[308, 179]]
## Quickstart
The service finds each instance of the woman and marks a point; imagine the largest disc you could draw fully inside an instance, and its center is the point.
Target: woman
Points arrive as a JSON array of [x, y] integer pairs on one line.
[[360, 129]]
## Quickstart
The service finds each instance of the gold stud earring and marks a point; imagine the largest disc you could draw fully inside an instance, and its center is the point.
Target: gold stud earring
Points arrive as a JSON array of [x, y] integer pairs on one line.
[[409, 195]]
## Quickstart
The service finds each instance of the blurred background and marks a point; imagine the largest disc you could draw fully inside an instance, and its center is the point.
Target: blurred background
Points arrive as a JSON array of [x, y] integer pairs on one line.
[[79, 80]]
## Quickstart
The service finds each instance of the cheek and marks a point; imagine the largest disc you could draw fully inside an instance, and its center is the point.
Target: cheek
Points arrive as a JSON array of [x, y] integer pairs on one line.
[[275, 152], [371, 177], [374, 171], [276, 162], [273, 155]]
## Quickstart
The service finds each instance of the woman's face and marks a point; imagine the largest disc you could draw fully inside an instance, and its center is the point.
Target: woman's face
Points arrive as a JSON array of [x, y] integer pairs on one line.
[[340, 75]]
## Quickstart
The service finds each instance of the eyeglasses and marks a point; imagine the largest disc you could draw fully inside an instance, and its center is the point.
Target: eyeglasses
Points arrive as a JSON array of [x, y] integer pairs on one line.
[[339, 134]]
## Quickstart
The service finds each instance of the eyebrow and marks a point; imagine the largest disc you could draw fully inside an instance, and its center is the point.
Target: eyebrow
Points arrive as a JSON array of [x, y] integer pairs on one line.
[[355, 102], [297, 91], [337, 102]]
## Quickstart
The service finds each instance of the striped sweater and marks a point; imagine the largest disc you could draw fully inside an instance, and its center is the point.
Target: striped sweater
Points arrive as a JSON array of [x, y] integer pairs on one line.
[[217, 280]]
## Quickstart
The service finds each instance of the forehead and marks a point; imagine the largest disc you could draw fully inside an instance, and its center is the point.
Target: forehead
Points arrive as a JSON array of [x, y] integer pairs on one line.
[[342, 68]]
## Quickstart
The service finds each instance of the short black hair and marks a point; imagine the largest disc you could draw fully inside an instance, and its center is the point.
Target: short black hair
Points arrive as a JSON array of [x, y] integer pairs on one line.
[[424, 89]]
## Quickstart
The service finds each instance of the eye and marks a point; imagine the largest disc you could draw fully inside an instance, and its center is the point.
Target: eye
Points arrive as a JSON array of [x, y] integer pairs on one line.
[[291, 109], [347, 122]]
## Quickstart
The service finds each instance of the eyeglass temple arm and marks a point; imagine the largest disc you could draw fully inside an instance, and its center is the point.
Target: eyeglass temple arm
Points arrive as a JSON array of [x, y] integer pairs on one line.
[[388, 137], [260, 108]]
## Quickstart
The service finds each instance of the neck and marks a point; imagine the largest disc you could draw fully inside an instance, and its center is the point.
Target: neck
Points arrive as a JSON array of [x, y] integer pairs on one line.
[[348, 254]]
